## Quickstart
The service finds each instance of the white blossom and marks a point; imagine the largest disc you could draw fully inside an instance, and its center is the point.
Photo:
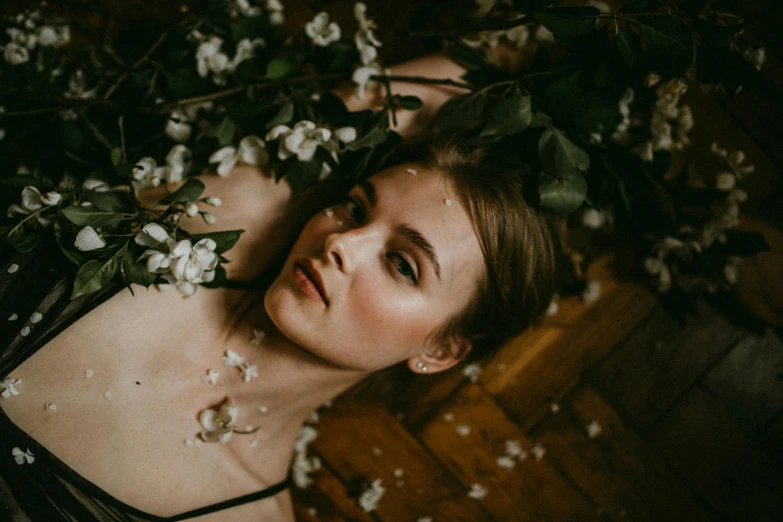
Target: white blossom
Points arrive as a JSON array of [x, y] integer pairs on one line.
[[47, 36], [178, 163], [249, 371], [361, 77], [244, 7], [191, 209], [146, 173], [322, 31], [8, 387], [275, 8], [232, 359], [252, 151], [505, 462], [593, 218], [210, 59], [219, 424], [192, 264], [302, 467], [88, 239], [477, 491], [178, 126], [245, 49], [472, 372], [538, 451], [88, 374], [15, 54], [368, 500], [21, 456], [514, 448], [593, 429], [50, 407], [302, 140], [258, 337], [463, 429], [98, 185], [33, 201], [153, 235], [756, 56], [210, 377]]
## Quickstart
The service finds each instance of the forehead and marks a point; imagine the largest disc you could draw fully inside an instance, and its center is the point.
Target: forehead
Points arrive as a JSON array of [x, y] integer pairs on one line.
[[420, 201]]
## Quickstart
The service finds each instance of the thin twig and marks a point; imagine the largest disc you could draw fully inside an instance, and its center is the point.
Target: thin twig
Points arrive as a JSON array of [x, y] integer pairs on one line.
[[136, 65], [421, 79], [101, 138], [122, 139]]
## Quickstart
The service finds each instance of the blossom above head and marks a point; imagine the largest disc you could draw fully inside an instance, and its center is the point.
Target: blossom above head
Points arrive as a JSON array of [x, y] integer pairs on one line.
[[178, 126], [211, 59], [361, 77], [322, 31], [251, 151], [219, 424], [34, 201], [191, 264], [302, 140]]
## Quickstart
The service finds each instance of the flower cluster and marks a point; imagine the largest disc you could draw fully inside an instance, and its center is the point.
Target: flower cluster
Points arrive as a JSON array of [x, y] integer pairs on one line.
[[146, 172], [219, 424], [670, 122], [304, 139], [182, 263], [31, 32], [367, 44], [303, 464], [211, 59], [178, 126]]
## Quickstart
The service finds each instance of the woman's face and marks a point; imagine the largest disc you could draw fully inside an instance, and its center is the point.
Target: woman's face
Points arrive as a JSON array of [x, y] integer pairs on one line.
[[383, 293]]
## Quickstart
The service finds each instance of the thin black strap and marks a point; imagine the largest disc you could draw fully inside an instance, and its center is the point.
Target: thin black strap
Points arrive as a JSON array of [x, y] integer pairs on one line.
[[244, 499]]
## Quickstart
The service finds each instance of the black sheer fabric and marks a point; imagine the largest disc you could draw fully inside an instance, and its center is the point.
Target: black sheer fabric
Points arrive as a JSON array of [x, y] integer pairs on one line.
[[48, 490]]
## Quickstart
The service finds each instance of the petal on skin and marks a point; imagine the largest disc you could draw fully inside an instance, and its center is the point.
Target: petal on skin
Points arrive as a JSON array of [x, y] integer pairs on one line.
[[209, 436], [225, 437]]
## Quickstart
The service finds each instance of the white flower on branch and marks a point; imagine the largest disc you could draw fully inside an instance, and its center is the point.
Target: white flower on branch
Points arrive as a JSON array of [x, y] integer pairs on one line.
[[252, 151], [361, 77], [301, 141], [153, 236], [15, 54], [245, 8], [88, 239], [219, 424], [178, 126], [192, 264], [245, 49], [77, 87], [210, 59], [33, 201], [322, 31], [756, 56], [275, 8], [178, 163], [146, 173], [47, 36]]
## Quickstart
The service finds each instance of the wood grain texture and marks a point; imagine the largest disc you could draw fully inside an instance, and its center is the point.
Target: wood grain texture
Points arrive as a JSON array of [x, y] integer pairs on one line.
[[656, 363], [616, 468], [534, 488], [747, 381], [326, 500], [718, 461]]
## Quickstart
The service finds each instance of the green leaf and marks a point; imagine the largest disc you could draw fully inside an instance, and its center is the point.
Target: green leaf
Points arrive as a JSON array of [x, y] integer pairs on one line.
[[568, 22], [224, 240], [628, 45], [302, 175], [540, 119], [409, 103], [460, 113], [279, 68], [226, 131], [375, 137], [108, 201], [666, 34], [188, 192], [562, 195], [135, 271], [509, 115], [94, 276], [19, 182], [116, 156], [559, 156], [283, 116], [90, 216], [72, 255]]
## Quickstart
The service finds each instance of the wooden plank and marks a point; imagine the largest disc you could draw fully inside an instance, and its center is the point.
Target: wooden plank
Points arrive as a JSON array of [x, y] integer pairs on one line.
[[530, 491], [544, 361], [746, 381], [362, 441], [701, 441], [326, 500], [654, 366], [616, 467]]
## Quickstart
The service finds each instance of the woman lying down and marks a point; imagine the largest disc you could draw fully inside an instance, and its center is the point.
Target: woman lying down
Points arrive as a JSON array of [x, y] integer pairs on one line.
[[432, 261]]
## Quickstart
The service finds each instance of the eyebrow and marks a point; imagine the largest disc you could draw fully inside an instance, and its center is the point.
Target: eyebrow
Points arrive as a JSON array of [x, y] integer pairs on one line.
[[407, 231]]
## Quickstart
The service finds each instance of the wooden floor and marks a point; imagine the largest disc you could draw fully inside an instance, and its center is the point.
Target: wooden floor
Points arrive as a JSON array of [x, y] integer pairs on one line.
[[690, 418]]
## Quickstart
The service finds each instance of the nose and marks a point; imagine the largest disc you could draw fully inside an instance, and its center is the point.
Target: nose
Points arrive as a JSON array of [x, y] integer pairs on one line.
[[347, 249]]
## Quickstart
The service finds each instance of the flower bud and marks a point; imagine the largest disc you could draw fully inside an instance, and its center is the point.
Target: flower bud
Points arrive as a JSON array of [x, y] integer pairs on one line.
[[213, 200], [209, 218], [191, 209], [725, 181]]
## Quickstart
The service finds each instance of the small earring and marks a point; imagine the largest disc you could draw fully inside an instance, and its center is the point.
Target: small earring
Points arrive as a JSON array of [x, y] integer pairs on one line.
[[420, 365]]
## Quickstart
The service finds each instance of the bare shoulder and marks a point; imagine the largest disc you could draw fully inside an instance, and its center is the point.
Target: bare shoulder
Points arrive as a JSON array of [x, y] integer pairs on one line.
[[252, 201]]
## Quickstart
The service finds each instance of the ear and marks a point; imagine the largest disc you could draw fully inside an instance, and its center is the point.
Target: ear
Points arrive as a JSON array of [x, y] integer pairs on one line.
[[442, 357]]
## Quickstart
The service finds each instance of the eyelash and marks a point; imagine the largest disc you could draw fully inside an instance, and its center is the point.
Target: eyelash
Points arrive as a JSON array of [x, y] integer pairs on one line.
[[412, 278]]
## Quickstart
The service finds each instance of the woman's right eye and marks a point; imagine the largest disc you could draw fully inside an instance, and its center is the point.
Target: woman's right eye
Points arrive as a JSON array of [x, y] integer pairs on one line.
[[351, 205]]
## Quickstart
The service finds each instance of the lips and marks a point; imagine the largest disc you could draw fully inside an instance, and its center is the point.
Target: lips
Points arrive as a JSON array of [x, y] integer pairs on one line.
[[309, 269]]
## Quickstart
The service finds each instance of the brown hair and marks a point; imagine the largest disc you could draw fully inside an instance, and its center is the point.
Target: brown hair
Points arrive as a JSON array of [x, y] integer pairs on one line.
[[517, 242]]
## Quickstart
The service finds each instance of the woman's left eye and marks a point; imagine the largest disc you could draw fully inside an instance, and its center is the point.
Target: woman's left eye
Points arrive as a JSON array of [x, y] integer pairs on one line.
[[352, 200]]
